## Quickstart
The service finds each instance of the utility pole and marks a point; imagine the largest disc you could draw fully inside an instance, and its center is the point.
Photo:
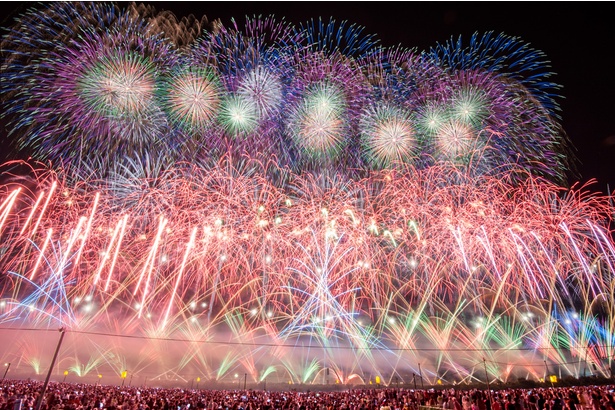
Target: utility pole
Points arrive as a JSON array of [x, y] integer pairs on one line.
[[421, 376], [487, 377], [547, 375], [53, 362], [8, 366]]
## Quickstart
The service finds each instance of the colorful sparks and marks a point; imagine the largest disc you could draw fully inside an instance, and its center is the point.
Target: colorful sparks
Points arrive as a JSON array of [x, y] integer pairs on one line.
[[284, 200]]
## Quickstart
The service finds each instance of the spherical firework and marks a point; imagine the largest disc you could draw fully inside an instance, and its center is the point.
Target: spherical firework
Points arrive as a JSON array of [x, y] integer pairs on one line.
[[100, 81], [388, 135], [318, 122], [238, 115], [264, 90], [431, 118], [191, 97], [505, 55], [470, 106], [456, 141], [503, 68], [120, 88]]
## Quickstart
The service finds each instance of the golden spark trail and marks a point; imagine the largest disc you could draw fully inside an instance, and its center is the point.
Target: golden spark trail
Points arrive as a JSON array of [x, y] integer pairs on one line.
[[31, 215], [8, 205], [149, 264], [604, 240], [41, 253], [583, 261], [86, 233], [117, 251], [189, 247], [40, 217], [107, 252]]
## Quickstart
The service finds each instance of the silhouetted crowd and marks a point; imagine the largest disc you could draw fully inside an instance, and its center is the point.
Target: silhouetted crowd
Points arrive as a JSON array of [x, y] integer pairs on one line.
[[23, 395]]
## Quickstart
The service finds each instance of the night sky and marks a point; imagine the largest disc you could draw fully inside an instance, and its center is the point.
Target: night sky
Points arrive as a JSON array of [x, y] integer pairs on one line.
[[577, 37]]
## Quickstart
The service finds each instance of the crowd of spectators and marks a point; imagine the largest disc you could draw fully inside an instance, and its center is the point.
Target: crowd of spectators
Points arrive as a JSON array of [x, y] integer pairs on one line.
[[23, 395]]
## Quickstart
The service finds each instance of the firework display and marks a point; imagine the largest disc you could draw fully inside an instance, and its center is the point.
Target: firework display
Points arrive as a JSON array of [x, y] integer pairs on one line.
[[295, 203]]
